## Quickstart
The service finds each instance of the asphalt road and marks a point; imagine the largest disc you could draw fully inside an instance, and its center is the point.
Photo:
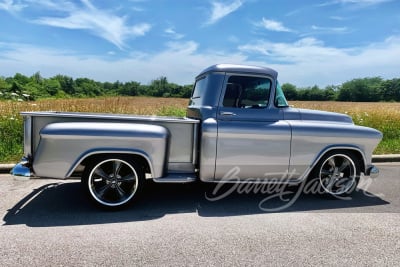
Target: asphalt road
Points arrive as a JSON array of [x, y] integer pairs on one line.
[[50, 223]]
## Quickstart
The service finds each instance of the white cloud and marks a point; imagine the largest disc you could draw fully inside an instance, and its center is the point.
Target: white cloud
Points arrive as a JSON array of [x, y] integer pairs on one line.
[[309, 61], [101, 23], [359, 3], [60, 5], [364, 2], [272, 25], [187, 48], [11, 6], [139, 29], [170, 32], [338, 18], [304, 50], [220, 10], [327, 30]]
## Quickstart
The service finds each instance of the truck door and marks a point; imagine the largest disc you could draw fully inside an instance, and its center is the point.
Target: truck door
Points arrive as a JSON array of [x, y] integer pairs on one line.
[[253, 140]]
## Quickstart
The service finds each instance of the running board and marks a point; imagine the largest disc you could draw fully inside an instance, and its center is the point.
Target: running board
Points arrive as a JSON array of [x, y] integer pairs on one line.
[[177, 178]]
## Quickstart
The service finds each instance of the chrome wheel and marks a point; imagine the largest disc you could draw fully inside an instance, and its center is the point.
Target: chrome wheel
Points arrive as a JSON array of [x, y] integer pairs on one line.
[[338, 174], [112, 182]]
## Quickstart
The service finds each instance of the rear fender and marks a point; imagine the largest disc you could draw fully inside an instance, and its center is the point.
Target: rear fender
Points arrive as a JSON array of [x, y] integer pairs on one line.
[[63, 146]]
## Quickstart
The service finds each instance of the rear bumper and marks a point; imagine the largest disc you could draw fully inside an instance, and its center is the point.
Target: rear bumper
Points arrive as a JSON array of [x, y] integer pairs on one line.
[[372, 171], [22, 170]]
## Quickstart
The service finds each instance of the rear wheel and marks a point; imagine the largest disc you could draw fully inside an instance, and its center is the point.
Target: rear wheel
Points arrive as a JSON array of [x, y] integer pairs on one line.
[[338, 173], [113, 182]]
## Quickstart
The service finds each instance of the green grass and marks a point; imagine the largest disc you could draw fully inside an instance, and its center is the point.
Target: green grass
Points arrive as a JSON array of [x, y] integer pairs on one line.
[[11, 139], [172, 112], [388, 125]]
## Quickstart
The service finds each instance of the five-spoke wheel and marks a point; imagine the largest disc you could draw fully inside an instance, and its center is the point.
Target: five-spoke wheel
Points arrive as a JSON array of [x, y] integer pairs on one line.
[[112, 182], [338, 173]]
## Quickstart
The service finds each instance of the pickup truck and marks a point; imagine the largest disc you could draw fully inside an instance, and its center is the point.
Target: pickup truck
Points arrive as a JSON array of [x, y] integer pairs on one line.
[[239, 128]]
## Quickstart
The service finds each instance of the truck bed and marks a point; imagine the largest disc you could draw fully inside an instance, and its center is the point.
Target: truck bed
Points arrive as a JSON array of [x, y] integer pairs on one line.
[[182, 143]]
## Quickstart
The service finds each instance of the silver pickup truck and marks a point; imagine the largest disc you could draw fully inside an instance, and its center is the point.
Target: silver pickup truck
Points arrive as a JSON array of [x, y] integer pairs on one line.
[[239, 129]]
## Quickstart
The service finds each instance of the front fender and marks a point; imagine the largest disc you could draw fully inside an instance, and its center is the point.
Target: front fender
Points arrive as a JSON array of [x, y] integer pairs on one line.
[[312, 139], [63, 145]]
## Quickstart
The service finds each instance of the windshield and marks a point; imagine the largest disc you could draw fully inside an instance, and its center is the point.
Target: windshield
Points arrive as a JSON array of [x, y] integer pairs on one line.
[[280, 99]]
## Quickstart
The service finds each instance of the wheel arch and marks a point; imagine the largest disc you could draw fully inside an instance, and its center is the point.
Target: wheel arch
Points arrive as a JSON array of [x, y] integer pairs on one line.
[[358, 153], [139, 156]]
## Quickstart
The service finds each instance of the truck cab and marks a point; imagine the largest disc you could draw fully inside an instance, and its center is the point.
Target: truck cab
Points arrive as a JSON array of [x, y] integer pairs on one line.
[[241, 109]]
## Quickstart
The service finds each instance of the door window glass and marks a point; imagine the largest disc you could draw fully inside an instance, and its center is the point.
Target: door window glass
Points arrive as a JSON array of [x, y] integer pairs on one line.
[[247, 92]]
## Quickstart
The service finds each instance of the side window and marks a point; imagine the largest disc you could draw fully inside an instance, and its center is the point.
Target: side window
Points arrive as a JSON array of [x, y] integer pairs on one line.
[[198, 91], [199, 87], [247, 92], [280, 100]]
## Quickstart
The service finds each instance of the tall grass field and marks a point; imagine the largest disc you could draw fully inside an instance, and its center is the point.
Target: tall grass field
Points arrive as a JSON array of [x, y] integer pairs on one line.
[[382, 116]]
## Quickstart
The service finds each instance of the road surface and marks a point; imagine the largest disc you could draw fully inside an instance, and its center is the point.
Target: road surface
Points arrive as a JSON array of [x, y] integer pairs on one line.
[[50, 223]]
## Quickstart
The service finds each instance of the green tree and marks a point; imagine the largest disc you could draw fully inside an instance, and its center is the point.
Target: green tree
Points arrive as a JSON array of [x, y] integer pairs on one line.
[[390, 90], [363, 90], [87, 87], [21, 79], [4, 87], [67, 84], [316, 94], [52, 86], [158, 87], [330, 92], [129, 88], [37, 78], [290, 91], [186, 91]]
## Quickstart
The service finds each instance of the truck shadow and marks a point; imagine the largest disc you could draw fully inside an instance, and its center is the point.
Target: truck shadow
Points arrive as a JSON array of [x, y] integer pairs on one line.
[[63, 204]]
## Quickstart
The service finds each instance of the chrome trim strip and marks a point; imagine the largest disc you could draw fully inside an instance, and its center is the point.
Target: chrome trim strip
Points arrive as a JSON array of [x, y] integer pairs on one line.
[[110, 116], [256, 181], [195, 143], [28, 136], [176, 178]]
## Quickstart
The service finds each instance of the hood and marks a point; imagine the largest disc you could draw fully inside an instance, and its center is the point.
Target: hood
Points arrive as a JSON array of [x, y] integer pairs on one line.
[[317, 115]]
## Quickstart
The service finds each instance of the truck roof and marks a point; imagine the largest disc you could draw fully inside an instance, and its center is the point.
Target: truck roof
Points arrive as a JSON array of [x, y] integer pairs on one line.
[[240, 69]]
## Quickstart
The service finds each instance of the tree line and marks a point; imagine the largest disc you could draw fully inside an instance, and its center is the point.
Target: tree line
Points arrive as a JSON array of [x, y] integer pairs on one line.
[[373, 89], [61, 86], [21, 87]]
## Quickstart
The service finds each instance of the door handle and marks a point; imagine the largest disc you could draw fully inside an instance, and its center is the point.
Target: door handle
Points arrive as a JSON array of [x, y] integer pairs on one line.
[[227, 113]]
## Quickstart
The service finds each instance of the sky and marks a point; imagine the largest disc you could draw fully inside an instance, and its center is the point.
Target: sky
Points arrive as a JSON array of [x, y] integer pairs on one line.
[[322, 43]]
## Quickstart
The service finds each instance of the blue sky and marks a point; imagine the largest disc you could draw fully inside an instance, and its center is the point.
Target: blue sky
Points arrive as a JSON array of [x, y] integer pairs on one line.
[[308, 42]]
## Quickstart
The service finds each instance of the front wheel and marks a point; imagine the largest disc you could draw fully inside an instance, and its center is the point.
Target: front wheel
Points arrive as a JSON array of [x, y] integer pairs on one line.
[[338, 173], [112, 182]]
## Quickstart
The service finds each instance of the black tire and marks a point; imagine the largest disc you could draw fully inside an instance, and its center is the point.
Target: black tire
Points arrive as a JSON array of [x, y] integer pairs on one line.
[[113, 182], [338, 173]]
